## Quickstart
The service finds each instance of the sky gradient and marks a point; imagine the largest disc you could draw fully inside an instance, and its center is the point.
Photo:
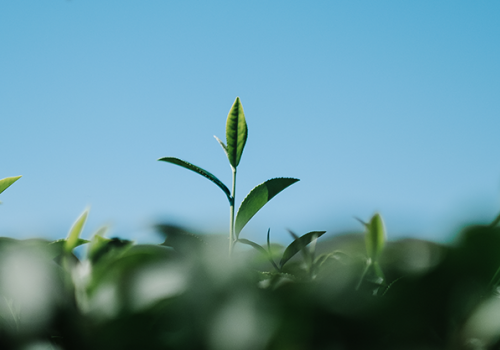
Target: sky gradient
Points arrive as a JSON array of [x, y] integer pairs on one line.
[[376, 106]]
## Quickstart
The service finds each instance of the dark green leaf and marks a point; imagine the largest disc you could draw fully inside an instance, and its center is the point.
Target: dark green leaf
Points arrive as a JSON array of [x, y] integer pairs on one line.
[[5, 183], [253, 244], [299, 244], [236, 133], [200, 171], [257, 198], [260, 249]]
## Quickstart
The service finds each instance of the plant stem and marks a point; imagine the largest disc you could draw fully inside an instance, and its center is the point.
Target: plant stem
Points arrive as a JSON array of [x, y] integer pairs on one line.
[[231, 214]]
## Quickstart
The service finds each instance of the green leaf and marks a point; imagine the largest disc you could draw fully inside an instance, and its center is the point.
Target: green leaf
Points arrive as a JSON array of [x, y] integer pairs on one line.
[[299, 244], [58, 246], [375, 237], [224, 147], [253, 244], [261, 249], [97, 243], [257, 198], [236, 133], [5, 183], [74, 233], [200, 171]]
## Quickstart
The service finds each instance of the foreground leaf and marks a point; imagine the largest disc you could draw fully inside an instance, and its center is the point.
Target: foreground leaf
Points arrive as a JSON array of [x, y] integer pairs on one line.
[[257, 198], [5, 183], [200, 171], [299, 244], [74, 233], [236, 133]]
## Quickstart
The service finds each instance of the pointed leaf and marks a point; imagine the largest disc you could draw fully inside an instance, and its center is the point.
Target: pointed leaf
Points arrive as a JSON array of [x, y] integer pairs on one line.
[[224, 147], [74, 233], [257, 198], [200, 171], [299, 244], [375, 237], [5, 183], [260, 249], [236, 133], [305, 252], [253, 244]]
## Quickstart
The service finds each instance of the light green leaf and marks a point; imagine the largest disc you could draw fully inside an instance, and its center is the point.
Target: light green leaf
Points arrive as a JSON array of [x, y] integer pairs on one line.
[[299, 244], [224, 147], [200, 171], [5, 183], [236, 133], [257, 198], [375, 237], [74, 233]]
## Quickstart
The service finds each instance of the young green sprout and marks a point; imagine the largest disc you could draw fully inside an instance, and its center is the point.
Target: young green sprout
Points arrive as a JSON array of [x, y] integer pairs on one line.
[[236, 138]]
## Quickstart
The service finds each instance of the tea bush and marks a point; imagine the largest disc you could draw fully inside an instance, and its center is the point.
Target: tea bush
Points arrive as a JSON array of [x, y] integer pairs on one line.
[[356, 291]]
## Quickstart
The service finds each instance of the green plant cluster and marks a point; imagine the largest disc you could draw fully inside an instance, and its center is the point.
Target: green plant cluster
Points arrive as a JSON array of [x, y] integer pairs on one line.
[[353, 291]]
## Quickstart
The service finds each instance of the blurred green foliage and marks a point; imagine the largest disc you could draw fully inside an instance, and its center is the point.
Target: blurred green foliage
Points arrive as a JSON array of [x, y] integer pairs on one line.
[[186, 293]]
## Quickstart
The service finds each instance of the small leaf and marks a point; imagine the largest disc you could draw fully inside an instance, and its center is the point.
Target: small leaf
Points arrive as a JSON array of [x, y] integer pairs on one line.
[[260, 249], [200, 171], [224, 147], [236, 133], [253, 244], [299, 244], [305, 252], [361, 221], [5, 183], [257, 198], [375, 237], [74, 233]]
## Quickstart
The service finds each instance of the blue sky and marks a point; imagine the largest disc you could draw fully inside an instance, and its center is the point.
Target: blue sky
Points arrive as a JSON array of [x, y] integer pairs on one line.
[[385, 106]]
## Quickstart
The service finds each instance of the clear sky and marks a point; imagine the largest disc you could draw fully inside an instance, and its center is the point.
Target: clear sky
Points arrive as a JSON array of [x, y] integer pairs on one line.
[[388, 106]]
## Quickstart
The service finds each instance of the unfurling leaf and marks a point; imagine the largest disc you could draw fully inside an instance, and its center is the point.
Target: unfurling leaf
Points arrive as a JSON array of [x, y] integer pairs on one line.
[[299, 244], [200, 171], [5, 183], [257, 198], [375, 237], [236, 133]]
